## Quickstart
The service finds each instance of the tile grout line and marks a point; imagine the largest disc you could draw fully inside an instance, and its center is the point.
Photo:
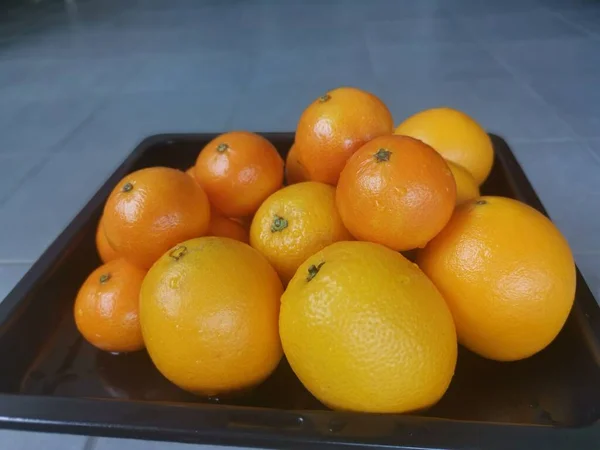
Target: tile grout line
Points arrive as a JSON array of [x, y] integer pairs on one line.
[[90, 443], [519, 80]]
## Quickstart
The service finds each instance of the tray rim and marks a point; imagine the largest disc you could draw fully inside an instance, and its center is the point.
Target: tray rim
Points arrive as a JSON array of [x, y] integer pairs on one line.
[[244, 426]]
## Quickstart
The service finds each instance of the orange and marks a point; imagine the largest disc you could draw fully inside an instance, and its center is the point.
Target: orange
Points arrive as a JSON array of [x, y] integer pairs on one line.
[[238, 171], [456, 136], [192, 172], [105, 250], [294, 171], [106, 308], [209, 312], [507, 275], [466, 186], [153, 209], [222, 226], [334, 126], [396, 191], [294, 223], [365, 330]]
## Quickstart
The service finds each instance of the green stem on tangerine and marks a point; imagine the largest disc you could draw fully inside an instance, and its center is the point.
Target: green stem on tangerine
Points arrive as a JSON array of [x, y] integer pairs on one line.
[[222, 147], [127, 187], [279, 224], [480, 202], [313, 271], [324, 98], [382, 155], [104, 277]]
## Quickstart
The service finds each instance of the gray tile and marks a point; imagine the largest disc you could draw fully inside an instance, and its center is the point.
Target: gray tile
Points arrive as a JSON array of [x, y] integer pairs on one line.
[[520, 26], [433, 62], [553, 56], [576, 98], [10, 274], [275, 107], [406, 31], [565, 176], [191, 71], [325, 67], [589, 265], [37, 126], [36, 79], [502, 106], [290, 36], [207, 108], [360, 11], [14, 168], [42, 206], [588, 20], [21, 440], [461, 8], [565, 5], [131, 444]]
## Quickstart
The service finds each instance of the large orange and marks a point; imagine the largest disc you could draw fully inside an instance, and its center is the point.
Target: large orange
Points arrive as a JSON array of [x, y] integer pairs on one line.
[[105, 250], [456, 136], [294, 223], [294, 170], [396, 191], [106, 308], [334, 126], [365, 330], [238, 171], [209, 311], [153, 209], [507, 274]]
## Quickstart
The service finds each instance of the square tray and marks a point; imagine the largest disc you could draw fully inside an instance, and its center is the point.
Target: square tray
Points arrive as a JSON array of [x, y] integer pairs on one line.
[[52, 380]]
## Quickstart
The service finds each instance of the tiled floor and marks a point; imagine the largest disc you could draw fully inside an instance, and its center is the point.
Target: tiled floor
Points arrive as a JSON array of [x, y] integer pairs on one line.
[[81, 82]]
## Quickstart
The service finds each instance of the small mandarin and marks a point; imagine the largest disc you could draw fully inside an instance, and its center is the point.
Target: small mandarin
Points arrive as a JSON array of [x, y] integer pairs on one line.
[[153, 209], [294, 223], [238, 171], [106, 308], [396, 191], [334, 126]]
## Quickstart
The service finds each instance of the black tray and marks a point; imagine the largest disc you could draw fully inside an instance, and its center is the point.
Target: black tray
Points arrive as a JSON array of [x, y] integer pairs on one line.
[[52, 380]]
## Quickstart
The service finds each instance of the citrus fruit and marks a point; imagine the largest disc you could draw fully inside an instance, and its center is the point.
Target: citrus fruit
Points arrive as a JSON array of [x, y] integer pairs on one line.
[[106, 308], [396, 191], [238, 171], [294, 223], [294, 171], [365, 330], [153, 209], [456, 136], [336, 125], [507, 275], [192, 172], [225, 227], [105, 250], [466, 186], [209, 312]]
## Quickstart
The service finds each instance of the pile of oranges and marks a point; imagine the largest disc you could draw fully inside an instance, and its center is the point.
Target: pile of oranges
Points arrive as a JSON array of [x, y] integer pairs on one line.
[[366, 269]]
